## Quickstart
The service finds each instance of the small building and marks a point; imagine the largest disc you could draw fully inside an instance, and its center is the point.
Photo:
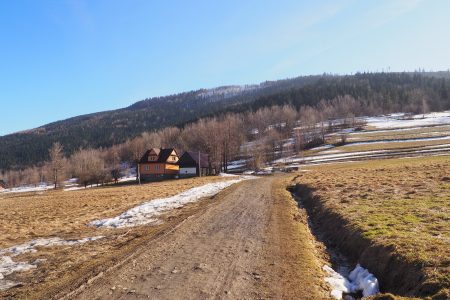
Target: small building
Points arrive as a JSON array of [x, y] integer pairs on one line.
[[157, 164], [195, 164]]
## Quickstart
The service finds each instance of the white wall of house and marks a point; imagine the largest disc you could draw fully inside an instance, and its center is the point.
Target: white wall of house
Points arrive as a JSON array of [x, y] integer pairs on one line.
[[188, 171]]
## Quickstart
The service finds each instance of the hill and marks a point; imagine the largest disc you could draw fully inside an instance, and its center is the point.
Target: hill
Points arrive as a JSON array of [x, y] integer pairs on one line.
[[384, 92]]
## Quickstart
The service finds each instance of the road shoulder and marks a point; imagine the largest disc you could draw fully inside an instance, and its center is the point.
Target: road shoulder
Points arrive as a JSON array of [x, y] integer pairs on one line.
[[292, 253]]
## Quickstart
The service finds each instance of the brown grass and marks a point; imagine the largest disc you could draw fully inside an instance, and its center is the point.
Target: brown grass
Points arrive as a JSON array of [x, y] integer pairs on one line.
[[24, 217], [65, 214], [402, 204], [293, 249]]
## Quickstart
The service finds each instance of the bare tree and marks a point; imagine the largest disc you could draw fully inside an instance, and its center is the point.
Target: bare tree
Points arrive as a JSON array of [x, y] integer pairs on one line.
[[343, 136], [258, 152], [425, 107], [56, 163], [112, 161], [89, 166]]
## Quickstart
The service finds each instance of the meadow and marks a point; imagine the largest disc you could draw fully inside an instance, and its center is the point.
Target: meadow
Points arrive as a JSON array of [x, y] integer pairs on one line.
[[402, 205]]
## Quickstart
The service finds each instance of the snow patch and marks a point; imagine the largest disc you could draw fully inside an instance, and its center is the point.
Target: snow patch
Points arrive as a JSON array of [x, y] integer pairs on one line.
[[397, 141], [324, 147], [364, 281], [149, 211], [8, 266], [359, 279], [398, 120], [31, 245], [330, 151], [338, 283], [28, 188], [227, 175]]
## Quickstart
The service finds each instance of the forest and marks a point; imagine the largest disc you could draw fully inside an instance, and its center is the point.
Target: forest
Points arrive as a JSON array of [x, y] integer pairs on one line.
[[220, 124], [255, 136]]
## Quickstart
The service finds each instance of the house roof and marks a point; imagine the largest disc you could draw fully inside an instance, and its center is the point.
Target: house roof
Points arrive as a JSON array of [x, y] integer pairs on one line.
[[156, 150], [163, 155], [190, 159]]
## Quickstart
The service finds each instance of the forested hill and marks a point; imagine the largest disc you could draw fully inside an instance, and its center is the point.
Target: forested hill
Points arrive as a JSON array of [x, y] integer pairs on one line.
[[381, 92]]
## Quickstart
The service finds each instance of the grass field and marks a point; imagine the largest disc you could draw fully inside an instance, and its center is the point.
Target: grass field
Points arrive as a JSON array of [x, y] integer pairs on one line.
[[403, 204], [29, 216]]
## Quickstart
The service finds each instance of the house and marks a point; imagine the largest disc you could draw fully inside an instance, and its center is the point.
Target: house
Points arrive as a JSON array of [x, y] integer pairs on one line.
[[158, 164], [195, 164]]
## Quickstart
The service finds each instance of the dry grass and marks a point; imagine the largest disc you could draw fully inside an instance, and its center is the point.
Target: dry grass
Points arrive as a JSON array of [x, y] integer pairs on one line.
[[24, 217], [65, 214], [403, 204], [293, 248]]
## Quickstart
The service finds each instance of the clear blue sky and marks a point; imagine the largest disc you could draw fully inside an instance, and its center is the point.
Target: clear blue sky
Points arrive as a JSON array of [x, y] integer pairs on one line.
[[63, 58]]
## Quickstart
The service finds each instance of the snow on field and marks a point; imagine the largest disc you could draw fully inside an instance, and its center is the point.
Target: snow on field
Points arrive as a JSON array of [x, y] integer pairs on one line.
[[323, 157], [359, 279], [326, 156], [31, 245], [397, 121], [148, 212], [75, 188], [330, 151], [324, 147], [227, 175], [128, 178], [8, 266], [437, 146], [398, 141], [25, 189], [237, 164]]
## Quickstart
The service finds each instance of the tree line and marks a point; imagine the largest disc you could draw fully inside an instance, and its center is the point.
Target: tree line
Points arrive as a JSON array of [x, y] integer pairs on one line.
[[256, 136]]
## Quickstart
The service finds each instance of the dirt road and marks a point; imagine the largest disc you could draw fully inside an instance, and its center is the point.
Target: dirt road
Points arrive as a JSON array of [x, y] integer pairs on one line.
[[238, 248]]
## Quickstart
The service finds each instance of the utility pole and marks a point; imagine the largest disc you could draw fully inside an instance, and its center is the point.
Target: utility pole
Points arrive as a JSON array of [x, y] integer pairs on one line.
[[139, 173], [199, 165]]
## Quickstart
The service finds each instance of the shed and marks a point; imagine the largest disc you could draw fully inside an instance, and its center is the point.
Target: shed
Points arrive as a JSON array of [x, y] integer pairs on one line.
[[195, 164]]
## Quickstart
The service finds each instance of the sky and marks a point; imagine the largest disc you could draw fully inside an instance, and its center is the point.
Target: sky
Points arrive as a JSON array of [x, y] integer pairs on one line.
[[63, 58]]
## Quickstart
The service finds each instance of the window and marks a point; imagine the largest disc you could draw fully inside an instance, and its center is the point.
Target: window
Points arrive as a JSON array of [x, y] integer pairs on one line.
[[156, 167], [146, 168]]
